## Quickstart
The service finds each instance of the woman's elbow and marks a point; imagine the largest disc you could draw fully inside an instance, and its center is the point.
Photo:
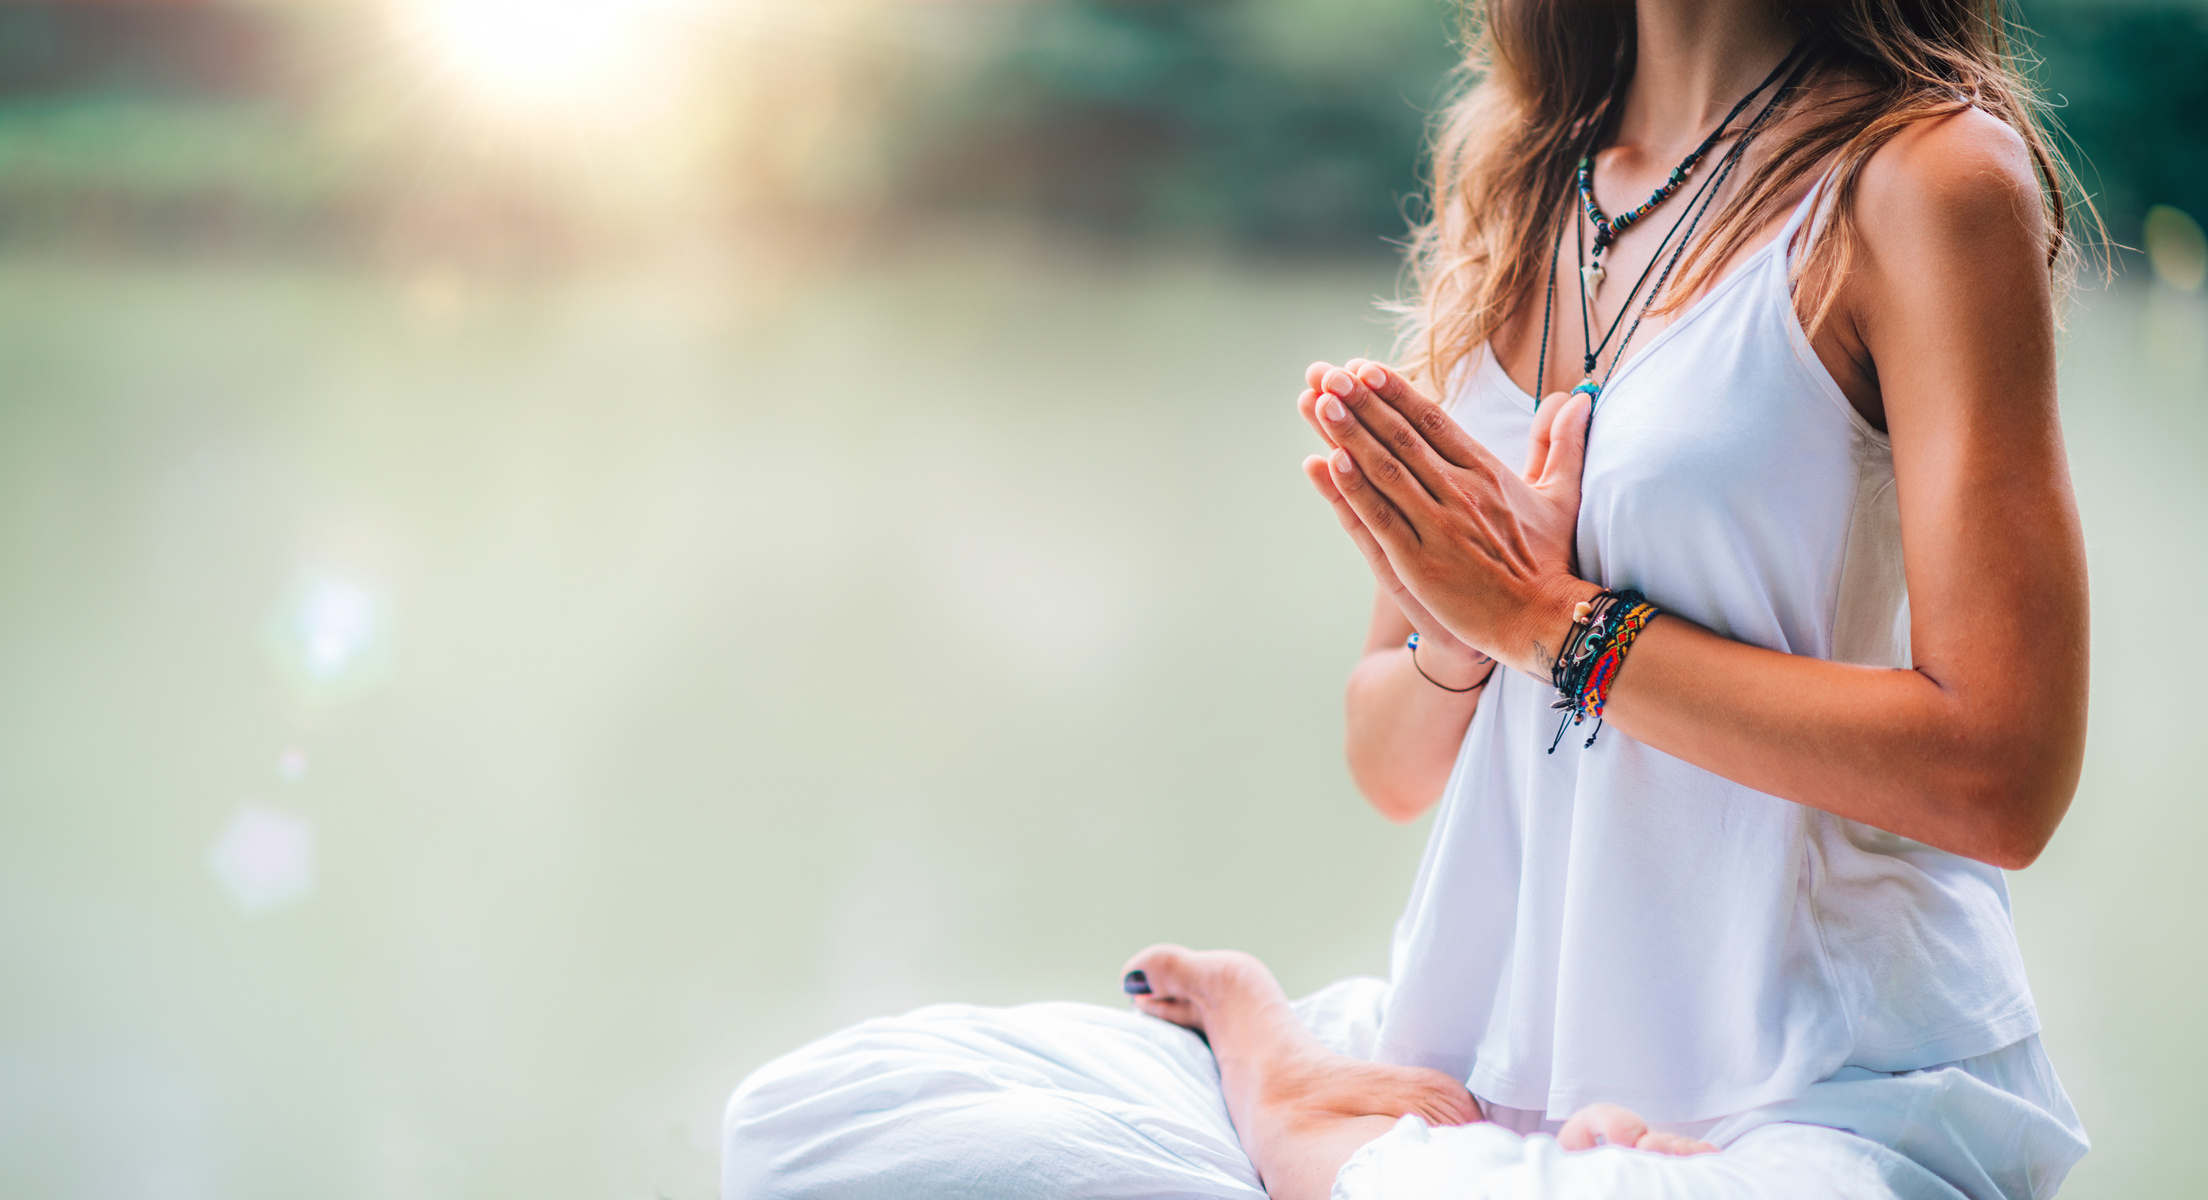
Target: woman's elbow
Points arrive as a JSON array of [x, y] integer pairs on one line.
[[1400, 800], [2013, 849], [1401, 809], [2014, 808]]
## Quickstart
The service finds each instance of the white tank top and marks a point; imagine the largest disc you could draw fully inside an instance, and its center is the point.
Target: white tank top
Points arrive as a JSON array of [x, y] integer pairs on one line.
[[1613, 923]]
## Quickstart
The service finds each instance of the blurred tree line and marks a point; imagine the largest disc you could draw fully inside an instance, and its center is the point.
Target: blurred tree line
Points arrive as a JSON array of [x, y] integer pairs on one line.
[[1276, 121], [1288, 120], [1273, 122]]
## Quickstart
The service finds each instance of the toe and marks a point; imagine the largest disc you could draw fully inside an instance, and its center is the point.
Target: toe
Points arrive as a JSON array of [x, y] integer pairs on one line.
[[1159, 971], [1443, 1109], [1602, 1125], [1156, 980], [1446, 1102], [1180, 1012], [1673, 1144]]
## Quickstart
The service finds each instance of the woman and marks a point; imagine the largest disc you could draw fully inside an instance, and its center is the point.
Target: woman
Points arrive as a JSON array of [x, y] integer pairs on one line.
[[1795, 555]]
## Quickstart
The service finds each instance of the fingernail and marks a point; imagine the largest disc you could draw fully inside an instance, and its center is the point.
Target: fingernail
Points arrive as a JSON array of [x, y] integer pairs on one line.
[[1339, 382], [1343, 463], [1373, 374], [1135, 984], [1332, 409]]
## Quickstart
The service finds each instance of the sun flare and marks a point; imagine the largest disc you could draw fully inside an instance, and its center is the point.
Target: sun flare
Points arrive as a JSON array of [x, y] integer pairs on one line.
[[534, 53]]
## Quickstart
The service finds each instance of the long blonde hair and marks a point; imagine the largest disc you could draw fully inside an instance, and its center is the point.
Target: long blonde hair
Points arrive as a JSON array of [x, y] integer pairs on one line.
[[1542, 71]]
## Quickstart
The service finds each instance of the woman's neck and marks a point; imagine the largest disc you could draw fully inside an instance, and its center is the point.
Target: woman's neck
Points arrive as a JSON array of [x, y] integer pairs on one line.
[[1694, 61]]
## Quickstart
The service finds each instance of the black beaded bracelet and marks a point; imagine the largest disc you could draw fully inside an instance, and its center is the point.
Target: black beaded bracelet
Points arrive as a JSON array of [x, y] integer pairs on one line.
[[1603, 629]]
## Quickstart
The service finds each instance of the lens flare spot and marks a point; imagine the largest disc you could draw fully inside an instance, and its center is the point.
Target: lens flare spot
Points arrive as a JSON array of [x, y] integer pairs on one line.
[[336, 622], [330, 635], [264, 858], [291, 765]]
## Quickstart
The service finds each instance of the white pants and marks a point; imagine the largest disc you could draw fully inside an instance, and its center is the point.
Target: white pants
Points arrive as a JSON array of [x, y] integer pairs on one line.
[[1078, 1102], [1771, 1162]]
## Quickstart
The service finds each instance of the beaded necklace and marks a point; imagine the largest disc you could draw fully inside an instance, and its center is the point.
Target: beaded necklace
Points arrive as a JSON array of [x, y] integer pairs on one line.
[[1690, 219], [1607, 229]]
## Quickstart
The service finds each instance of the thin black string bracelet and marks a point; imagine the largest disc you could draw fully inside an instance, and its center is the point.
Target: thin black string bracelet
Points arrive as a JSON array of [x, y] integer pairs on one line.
[[1412, 646]]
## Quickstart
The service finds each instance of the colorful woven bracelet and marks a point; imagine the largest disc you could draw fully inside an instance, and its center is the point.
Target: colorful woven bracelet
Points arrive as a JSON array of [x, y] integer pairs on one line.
[[1603, 629]]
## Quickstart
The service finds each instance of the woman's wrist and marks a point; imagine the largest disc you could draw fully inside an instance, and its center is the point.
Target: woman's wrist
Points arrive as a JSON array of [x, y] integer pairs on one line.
[[1544, 623]]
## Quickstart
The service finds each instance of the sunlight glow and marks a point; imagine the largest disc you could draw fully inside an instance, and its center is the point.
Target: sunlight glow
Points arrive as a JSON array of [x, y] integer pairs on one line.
[[531, 54]]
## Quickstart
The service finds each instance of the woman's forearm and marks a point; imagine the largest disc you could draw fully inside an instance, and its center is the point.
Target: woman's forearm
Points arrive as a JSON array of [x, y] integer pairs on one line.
[[1404, 731], [1984, 772]]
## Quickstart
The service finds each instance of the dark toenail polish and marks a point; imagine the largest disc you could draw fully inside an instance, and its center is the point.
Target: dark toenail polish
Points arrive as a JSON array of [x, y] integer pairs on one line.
[[1136, 984]]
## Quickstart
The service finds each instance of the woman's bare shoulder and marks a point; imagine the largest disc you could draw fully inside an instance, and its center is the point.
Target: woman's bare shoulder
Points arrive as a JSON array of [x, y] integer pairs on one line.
[[1949, 182]]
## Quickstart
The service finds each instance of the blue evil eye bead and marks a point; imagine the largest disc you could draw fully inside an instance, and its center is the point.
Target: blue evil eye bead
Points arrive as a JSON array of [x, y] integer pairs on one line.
[[1590, 387], [1412, 642], [1135, 984]]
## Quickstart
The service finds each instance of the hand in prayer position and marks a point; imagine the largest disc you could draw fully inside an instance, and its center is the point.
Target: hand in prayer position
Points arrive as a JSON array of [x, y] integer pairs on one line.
[[1467, 547]]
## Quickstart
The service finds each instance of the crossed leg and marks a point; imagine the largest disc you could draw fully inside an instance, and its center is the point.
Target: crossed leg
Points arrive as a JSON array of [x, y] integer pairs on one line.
[[1300, 1109]]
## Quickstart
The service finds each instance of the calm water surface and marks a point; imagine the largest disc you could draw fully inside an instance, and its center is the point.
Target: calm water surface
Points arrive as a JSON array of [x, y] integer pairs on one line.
[[451, 731]]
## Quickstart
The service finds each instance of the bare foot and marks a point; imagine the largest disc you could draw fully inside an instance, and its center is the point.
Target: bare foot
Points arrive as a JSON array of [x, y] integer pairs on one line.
[[1610, 1125], [1273, 1069]]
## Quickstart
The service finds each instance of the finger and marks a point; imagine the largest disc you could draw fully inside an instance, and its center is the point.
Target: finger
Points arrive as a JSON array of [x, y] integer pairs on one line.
[[1601, 1125], [1381, 520], [1567, 450], [1316, 372], [1537, 441], [1308, 405], [1433, 423], [1398, 461], [1319, 469]]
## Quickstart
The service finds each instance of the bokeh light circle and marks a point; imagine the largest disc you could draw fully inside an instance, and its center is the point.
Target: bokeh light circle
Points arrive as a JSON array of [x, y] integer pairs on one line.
[[2177, 248]]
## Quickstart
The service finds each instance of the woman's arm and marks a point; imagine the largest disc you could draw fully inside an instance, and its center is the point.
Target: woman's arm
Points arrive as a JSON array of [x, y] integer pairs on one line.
[[1404, 730], [1406, 720], [1976, 749]]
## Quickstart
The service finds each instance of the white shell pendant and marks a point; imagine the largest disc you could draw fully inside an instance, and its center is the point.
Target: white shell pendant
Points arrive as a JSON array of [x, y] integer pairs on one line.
[[1592, 276]]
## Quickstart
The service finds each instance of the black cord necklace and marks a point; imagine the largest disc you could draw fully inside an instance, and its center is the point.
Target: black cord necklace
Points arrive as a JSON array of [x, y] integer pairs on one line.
[[1690, 219], [1608, 229], [1591, 349]]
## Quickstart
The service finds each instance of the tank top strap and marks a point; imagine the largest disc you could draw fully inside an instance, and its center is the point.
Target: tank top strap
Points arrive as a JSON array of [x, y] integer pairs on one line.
[[1814, 209]]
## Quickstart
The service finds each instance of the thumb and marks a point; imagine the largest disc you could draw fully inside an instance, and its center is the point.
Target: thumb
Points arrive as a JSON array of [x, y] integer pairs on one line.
[[1537, 438], [1568, 444]]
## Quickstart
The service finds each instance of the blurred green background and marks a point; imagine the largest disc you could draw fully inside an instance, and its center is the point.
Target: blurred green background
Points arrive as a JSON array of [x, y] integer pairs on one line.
[[551, 550]]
